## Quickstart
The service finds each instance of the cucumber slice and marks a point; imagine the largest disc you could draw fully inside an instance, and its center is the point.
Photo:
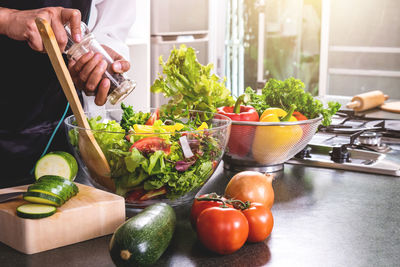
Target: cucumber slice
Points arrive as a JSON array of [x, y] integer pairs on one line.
[[58, 163], [64, 190], [57, 191], [58, 179], [42, 198], [35, 211], [61, 184]]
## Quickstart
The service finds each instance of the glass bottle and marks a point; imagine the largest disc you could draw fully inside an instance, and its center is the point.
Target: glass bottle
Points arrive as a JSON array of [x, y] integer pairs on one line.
[[120, 85]]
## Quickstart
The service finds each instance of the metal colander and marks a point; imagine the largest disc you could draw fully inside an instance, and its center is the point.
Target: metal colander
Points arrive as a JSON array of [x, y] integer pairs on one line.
[[262, 144]]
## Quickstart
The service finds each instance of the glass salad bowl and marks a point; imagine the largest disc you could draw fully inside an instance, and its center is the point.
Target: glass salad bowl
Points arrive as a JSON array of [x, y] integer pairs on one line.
[[155, 157], [265, 146]]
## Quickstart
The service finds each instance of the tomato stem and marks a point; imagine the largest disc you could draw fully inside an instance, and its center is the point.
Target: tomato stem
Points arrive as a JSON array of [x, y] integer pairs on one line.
[[213, 197], [238, 204]]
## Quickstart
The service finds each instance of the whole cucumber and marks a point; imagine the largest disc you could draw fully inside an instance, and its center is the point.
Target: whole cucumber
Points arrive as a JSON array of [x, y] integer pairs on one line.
[[142, 239]]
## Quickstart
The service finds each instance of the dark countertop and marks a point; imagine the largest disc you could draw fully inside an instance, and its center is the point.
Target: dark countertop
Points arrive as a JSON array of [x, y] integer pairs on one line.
[[322, 217]]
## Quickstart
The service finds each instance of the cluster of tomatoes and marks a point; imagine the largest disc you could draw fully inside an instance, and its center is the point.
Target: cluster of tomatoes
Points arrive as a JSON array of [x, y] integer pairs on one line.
[[225, 223]]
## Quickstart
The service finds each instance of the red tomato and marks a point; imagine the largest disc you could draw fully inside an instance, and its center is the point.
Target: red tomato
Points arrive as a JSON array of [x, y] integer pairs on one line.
[[260, 221], [155, 116], [199, 206], [299, 116], [222, 230], [151, 144]]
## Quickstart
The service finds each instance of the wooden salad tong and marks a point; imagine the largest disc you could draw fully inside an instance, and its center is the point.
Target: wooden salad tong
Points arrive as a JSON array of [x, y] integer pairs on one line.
[[90, 151]]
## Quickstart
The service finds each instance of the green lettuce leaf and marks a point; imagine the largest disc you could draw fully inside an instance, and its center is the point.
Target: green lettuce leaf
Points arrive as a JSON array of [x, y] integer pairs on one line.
[[127, 182], [189, 84], [134, 160], [156, 164], [181, 183], [131, 117], [256, 101], [108, 135]]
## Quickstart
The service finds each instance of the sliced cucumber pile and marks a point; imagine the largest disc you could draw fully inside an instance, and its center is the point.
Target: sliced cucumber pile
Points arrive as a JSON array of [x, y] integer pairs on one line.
[[35, 211], [57, 163], [53, 179], [49, 190]]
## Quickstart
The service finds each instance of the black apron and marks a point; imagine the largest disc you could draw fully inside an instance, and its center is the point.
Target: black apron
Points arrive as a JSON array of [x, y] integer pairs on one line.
[[31, 101]]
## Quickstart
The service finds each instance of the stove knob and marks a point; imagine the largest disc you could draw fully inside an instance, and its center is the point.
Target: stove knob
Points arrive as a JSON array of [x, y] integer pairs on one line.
[[305, 153], [340, 154]]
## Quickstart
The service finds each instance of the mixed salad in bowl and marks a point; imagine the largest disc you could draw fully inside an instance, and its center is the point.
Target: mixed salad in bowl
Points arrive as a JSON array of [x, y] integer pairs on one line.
[[155, 155]]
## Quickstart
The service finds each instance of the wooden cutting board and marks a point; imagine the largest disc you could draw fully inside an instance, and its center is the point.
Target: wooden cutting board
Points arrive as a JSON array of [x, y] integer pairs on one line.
[[91, 213]]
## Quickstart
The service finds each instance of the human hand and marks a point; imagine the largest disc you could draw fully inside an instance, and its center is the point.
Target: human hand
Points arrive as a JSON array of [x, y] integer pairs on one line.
[[87, 73], [20, 25]]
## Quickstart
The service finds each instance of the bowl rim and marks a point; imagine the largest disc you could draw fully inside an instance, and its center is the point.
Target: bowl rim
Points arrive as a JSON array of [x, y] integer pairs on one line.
[[285, 123], [226, 118]]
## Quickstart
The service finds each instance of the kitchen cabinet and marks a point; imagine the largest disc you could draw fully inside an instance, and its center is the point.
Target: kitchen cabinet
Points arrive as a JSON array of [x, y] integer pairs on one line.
[[323, 217]]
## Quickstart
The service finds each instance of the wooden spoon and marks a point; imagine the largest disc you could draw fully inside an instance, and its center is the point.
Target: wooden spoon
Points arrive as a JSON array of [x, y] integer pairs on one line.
[[90, 151]]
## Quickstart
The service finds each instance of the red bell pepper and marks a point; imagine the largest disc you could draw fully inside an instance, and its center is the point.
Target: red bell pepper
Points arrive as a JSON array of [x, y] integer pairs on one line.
[[241, 136]]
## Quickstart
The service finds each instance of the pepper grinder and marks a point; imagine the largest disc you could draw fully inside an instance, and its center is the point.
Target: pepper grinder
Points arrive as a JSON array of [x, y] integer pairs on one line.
[[120, 85]]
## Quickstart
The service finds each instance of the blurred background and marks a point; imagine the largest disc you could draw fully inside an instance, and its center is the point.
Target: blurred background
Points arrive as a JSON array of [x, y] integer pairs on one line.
[[336, 47]]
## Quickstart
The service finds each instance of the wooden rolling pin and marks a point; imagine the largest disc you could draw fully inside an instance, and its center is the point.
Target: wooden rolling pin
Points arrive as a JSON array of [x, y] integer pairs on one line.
[[367, 100]]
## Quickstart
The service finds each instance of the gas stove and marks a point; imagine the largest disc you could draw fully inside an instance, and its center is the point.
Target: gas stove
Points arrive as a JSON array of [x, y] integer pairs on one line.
[[355, 143]]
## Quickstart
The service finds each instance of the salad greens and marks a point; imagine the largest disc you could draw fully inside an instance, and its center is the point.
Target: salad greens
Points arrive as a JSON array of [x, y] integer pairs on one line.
[[283, 94], [130, 117], [189, 84], [156, 161]]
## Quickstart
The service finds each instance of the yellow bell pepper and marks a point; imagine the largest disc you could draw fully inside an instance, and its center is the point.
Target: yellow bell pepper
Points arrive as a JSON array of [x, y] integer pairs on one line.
[[278, 112], [173, 128], [202, 126], [140, 129], [272, 144]]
